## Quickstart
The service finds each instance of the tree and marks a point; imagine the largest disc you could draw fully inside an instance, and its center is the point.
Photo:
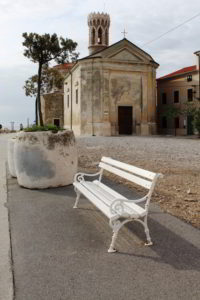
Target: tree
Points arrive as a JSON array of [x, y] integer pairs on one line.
[[31, 90], [171, 112], [196, 122], [193, 109], [50, 78], [42, 49], [189, 109]]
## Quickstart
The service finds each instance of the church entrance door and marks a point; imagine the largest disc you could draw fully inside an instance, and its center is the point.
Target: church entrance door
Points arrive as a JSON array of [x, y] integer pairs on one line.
[[125, 119]]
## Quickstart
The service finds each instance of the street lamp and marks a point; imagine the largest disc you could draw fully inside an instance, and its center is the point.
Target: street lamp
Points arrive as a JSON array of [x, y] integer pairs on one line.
[[197, 53]]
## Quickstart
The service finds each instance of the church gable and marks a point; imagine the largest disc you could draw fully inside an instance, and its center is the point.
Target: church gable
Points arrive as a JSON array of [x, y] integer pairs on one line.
[[124, 50], [126, 55]]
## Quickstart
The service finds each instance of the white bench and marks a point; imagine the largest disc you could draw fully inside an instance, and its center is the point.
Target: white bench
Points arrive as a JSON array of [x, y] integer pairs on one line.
[[116, 207]]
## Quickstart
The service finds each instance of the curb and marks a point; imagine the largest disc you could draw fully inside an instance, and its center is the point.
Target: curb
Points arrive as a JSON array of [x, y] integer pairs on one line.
[[6, 275]]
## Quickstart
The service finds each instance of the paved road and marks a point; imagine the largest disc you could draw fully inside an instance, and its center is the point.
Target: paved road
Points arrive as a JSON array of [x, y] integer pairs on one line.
[[6, 285], [60, 253]]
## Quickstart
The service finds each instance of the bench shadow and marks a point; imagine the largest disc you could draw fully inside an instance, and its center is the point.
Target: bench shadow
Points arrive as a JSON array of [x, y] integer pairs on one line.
[[170, 248]]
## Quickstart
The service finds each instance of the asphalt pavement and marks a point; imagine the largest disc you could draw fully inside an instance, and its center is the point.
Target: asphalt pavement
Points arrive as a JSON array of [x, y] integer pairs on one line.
[[60, 253]]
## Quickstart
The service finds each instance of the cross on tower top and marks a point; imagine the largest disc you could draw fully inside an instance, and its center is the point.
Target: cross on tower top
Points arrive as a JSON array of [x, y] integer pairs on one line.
[[124, 33]]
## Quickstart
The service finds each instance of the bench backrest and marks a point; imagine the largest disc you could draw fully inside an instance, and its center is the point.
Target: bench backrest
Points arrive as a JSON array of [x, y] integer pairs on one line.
[[134, 174]]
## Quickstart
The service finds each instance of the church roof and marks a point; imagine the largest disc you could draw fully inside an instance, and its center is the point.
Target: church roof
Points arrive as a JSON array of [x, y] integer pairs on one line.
[[98, 53], [66, 66], [179, 72]]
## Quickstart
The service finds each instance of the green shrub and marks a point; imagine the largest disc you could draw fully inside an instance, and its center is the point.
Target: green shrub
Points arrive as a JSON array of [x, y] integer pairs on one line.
[[49, 127]]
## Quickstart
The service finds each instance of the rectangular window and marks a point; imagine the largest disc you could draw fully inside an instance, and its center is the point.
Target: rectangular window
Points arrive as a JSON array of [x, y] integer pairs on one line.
[[176, 96], [164, 98], [176, 122], [76, 96], [68, 101], [190, 94], [189, 78], [164, 122]]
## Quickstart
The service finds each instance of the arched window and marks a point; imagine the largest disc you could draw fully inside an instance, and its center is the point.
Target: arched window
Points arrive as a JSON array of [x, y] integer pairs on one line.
[[93, 36], [100, 36]]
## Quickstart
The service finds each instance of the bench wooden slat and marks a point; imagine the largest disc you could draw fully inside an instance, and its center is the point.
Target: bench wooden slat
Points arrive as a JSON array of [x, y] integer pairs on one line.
[[99, 199], [94, 199], [109, 190], [127, 167], [106, 197], [140, 181], [135, 207]]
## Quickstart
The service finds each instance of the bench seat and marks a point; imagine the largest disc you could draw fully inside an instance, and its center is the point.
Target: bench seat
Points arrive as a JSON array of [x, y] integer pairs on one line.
[[102, 197]]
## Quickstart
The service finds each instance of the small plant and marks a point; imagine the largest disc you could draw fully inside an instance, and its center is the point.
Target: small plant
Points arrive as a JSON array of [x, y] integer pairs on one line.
[[196, 122], [49, 127]]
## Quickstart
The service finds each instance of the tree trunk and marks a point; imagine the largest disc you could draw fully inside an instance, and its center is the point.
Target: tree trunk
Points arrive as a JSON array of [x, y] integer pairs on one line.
[[38, 95], [36, 112]]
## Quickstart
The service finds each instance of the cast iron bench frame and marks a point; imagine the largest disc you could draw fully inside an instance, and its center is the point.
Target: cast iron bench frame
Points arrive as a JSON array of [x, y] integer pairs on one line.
[[116, 207]]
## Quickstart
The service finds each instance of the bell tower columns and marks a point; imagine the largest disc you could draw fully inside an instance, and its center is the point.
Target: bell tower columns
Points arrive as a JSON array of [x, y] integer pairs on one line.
[[99, 24]]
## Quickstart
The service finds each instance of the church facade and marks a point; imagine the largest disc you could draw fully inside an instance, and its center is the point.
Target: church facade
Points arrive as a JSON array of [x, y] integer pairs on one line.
[[113, 90]]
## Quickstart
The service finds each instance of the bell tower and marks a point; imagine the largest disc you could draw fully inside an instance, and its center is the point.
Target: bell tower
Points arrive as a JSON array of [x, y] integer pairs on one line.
[[99, 24]]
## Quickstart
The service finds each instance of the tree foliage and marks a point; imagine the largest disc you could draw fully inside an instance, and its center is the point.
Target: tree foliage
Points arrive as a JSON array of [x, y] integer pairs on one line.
[[43, 49], [196, 122], [171, 112], [188, 109], [50, 78]]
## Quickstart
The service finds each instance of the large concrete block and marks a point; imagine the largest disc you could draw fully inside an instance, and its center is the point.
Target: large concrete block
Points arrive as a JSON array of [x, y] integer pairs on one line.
[[45, 159], [10, 153]]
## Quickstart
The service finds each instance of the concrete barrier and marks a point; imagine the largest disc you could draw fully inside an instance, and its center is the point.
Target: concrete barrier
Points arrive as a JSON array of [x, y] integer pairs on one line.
[[45, 159], [11, 162]]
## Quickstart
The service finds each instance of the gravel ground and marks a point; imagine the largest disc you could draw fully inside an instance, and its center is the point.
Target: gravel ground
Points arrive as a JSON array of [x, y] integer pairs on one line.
[[178, 159]]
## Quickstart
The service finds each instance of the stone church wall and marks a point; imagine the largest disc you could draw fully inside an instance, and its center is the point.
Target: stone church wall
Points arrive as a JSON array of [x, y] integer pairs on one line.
[[91, 101], [103, 87], [72, 92], [52, 108], [125, 90]]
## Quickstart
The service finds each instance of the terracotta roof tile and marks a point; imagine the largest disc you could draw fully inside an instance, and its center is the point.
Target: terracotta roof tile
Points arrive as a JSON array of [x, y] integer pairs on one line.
[[65, 66], [179, 72]]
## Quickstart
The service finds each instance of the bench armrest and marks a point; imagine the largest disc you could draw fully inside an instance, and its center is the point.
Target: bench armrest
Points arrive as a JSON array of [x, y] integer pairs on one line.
[[81, 176], [117, 205]]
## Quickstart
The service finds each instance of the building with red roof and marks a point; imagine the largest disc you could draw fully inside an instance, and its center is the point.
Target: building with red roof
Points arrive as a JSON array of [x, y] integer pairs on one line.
[[175, 90]]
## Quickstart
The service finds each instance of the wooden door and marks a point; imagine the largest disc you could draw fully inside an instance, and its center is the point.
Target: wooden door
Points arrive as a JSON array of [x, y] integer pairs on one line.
[[125, 119]]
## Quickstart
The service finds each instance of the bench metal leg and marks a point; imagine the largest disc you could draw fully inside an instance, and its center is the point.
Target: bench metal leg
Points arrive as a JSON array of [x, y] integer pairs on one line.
[[146, 230], [112, 245], [116, 225], [77, 198]]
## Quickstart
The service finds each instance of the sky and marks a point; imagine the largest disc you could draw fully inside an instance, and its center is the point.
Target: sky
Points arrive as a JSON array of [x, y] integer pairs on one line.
[[143, 20]]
